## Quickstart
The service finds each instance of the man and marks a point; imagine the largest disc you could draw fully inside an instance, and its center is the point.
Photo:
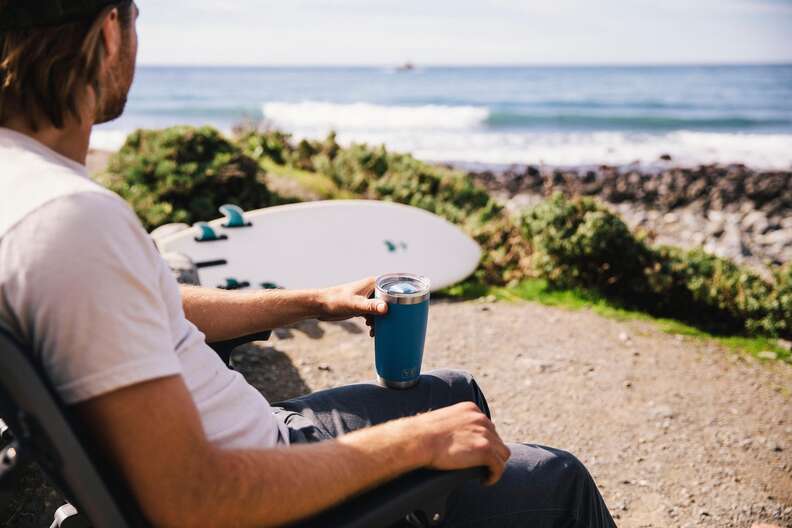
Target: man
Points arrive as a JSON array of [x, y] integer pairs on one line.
[[82, 284]]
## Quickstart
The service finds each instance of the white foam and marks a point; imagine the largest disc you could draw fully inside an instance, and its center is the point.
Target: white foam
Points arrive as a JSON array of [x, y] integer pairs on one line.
[[761, 151], [367, 116], [112, 140]]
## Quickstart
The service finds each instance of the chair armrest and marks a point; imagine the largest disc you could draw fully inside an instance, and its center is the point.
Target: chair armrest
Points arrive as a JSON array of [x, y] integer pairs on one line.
[[422, 494], [224, 348]]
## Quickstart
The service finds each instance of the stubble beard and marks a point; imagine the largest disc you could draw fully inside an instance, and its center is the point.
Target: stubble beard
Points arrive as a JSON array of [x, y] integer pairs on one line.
[[116, 90]]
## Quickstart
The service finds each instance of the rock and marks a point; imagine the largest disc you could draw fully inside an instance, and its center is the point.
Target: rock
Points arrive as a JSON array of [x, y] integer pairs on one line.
[[767, 354], [785, 344], [325, 367], [782, 237], [716, 217], [662, 411], [624, 337], [755, 222], [665, 157]]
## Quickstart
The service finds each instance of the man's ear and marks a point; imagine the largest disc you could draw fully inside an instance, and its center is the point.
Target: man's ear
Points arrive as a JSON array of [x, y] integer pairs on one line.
[[111, 37]]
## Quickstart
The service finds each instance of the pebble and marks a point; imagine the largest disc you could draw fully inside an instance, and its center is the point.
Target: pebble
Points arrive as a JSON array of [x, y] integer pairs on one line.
[[662, 411], [325, 367]]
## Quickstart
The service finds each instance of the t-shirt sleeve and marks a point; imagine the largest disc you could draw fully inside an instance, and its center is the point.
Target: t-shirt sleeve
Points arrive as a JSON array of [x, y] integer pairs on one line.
[[86, 291]]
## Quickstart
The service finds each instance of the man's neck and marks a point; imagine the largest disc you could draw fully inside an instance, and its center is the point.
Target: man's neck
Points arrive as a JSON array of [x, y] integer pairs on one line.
[[71, 141]]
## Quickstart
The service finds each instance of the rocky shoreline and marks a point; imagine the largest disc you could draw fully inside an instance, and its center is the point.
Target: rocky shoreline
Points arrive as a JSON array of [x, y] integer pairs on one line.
[[730, 210]]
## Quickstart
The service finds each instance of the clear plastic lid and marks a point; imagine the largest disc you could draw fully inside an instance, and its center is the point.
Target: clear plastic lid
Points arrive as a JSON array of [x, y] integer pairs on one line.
[[403, 288]]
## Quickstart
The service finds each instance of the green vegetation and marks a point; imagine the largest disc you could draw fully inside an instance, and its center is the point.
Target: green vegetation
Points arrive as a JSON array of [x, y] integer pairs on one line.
[[184, 174], [567, 252], [580, 244]]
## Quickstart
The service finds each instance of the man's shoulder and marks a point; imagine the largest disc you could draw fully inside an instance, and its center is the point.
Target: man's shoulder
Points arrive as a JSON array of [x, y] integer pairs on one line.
[[32, 177]]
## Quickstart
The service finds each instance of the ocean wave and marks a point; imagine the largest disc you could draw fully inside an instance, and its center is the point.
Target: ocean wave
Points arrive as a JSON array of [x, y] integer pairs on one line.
[[761, 151], [631, 122], [372, 117], [367, 116]]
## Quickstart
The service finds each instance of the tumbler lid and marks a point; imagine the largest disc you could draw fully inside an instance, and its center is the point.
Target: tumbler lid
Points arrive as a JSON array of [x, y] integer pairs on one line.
[[402, 288]]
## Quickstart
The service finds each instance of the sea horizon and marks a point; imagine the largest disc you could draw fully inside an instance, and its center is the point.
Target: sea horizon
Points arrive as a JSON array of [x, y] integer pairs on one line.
[[550, 114]]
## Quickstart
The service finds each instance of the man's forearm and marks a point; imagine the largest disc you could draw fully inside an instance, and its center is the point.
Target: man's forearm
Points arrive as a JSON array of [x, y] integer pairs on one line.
[[276, 486], [223, 315]]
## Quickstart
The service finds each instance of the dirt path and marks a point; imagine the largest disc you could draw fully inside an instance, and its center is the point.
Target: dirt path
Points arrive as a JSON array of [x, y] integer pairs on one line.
[[676, 432]]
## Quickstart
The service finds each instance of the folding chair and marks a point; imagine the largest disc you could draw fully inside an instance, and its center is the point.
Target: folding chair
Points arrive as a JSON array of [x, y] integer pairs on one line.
[[42, 429]]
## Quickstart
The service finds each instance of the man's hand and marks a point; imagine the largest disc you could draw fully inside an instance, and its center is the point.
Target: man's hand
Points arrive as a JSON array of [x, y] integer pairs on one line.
[[350, 300], [461, 436]]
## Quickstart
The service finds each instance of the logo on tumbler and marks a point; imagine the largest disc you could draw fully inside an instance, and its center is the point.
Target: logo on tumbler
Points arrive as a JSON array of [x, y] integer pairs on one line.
[[409, 373]]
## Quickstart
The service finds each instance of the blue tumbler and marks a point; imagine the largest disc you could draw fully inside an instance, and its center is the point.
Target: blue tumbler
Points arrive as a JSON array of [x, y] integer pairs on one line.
[[399, 335]]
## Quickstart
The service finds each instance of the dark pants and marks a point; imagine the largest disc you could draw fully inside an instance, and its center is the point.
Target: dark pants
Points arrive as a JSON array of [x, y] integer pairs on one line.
[[541, 487]]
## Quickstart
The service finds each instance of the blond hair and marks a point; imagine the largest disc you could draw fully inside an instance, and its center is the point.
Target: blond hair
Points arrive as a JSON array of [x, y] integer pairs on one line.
[[44, 71]]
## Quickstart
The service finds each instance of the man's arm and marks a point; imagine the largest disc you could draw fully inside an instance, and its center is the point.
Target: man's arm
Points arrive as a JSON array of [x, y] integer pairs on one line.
[[223, 315], [180, 479]]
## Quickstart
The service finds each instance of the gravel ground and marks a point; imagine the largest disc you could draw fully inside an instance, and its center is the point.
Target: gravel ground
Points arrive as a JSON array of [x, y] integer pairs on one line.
[[676, 432]]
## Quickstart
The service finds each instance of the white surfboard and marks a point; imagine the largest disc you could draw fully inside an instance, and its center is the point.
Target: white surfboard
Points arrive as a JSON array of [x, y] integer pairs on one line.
[[320, 244]]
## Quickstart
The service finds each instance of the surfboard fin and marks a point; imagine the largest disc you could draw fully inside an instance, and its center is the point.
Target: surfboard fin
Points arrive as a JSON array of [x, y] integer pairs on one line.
[[206, 233], [235, 216], [233, 284]]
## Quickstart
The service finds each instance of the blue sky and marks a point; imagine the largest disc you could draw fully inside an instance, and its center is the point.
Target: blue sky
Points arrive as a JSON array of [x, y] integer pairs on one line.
[[322, 32]]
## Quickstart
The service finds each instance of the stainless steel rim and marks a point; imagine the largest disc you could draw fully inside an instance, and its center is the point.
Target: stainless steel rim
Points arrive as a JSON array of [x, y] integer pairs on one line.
[[397, 384], [402, 298]]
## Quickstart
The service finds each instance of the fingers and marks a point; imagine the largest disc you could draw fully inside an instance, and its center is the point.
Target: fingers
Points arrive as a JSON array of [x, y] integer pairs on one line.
[[365, 287], [496, 462], [503, 451]]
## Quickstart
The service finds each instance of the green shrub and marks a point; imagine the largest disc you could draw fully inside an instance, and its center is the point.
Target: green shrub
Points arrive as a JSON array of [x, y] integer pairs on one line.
[[716, 292], [184, 174], [578, 243], [272, 144]]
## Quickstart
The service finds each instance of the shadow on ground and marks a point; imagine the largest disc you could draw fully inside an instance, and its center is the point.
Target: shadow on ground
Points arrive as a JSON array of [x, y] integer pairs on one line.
[[270, 371], [312, 328]]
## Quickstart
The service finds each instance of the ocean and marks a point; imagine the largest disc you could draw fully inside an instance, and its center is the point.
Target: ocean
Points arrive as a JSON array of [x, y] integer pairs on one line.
[[562, 116]]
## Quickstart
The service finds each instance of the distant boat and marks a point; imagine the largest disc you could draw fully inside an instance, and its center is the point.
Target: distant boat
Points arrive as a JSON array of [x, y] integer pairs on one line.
[[407, 66]]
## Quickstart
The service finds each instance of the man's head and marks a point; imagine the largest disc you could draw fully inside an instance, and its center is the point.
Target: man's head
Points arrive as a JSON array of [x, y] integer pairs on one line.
[[63, 60]]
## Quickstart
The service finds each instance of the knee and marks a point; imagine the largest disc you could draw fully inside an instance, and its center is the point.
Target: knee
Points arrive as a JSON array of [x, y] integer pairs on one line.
[[461, 387], [571, 469]]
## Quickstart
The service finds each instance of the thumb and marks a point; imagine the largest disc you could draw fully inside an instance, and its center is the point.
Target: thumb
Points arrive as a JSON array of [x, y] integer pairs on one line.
[[373, 306]]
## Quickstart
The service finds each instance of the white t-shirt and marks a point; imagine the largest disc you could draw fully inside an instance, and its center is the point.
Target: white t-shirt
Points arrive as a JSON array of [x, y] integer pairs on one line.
[[83, 285]]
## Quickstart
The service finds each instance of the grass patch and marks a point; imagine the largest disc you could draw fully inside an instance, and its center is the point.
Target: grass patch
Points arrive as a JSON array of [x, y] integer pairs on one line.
[[314, 182], [539, 291]]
